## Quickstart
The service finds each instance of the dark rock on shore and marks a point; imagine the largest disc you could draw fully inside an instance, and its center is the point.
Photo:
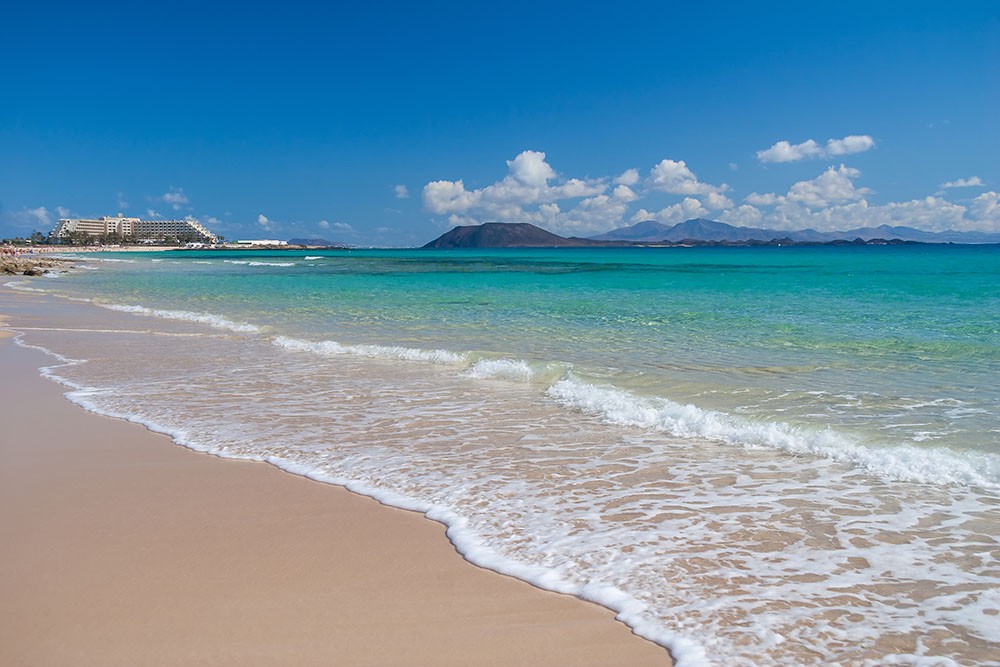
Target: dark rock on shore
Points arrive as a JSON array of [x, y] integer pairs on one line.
[[27, 265]]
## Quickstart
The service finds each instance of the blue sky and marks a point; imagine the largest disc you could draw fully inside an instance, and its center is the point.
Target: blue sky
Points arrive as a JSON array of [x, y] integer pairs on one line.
[[387, 123]]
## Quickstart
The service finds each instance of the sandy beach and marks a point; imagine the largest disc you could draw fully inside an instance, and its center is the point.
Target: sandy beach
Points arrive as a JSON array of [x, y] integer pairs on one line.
[[122, 548]]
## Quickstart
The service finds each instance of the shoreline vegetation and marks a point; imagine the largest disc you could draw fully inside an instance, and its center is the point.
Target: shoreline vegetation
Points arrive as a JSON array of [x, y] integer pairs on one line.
[[124, 545]]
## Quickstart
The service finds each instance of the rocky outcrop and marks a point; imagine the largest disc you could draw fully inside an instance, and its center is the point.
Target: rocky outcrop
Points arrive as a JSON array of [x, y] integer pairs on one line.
[[28, 265]]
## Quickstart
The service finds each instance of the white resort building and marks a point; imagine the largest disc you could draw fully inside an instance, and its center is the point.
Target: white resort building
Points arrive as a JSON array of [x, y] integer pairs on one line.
[[134, 229]]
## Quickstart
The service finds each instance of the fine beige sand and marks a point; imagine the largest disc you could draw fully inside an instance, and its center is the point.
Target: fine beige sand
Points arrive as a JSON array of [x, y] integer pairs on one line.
[[121, 548]]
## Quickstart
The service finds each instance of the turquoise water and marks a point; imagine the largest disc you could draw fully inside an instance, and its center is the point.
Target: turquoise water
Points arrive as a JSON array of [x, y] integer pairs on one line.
[[850, 338], [754, 455]]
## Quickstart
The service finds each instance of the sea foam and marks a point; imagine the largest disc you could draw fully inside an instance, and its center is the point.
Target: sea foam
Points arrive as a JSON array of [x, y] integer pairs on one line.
[[255, 263], [900, 462], [557, 510], [210, 319], [22, 286], [505, 369], [332, 348]]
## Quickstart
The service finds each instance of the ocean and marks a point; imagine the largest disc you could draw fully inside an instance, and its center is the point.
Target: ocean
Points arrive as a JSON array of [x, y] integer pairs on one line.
[[756, 456]]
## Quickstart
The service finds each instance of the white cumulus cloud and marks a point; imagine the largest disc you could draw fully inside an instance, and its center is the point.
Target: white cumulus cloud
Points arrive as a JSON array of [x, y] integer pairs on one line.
[[831, 187], [986, 209], [716, 201], [973, 182], [674, 177], [836, 199], [326, 224], [853, 143], [784, 151], [628, 177], [766, 199], [449, 197], [625, 193], [530, 192], [744, 215], [685, 210], [401, 191], [175, 198], [832, 202]]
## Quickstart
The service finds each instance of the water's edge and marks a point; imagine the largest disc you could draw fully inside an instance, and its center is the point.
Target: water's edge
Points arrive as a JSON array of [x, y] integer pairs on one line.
[[628, 611]]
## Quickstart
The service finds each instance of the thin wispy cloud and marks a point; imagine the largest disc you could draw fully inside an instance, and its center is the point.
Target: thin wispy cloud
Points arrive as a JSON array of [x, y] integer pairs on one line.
[[342, 226], [37, 218]]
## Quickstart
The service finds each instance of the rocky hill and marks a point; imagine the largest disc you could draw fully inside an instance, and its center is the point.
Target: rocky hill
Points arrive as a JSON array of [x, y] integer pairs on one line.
[[505, 235]]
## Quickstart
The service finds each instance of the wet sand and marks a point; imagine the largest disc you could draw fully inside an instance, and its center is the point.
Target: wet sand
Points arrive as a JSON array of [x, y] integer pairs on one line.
[[121, 548]]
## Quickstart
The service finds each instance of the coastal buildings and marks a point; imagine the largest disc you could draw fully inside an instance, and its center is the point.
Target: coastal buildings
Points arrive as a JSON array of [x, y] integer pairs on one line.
[[133, 229]]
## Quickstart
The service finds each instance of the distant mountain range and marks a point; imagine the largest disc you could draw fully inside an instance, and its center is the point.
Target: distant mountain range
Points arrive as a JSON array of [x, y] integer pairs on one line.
[[691, 232], [701, 229]]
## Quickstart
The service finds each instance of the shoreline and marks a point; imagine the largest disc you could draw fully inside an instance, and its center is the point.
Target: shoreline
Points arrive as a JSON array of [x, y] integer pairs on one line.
[[125, 545]]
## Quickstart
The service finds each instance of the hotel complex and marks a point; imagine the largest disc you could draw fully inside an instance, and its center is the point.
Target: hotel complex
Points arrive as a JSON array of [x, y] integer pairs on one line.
[[134, 229]]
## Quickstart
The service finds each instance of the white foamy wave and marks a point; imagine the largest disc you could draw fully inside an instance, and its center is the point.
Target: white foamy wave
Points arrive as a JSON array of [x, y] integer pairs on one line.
[[330, 348], [249, 263], [903, 462], [22, 286], [311, 257], [475, 547], [504, 369], [49, 371], [216, 321], [91, 258], [684, 651]]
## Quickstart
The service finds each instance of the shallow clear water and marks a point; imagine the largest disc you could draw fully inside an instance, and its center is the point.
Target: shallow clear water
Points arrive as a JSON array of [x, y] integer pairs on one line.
[[758, 456]]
